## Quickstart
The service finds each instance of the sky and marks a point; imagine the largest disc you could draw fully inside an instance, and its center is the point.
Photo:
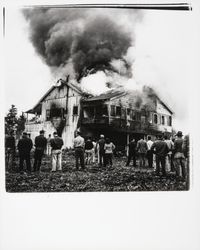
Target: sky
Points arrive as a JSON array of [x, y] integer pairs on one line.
[[163, 59]]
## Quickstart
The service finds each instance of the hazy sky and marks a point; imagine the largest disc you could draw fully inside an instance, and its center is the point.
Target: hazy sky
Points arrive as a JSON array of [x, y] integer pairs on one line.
[[163, 51]]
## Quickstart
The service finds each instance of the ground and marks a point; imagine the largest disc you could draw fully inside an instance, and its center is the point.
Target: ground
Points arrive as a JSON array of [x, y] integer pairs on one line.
[[117, 178]]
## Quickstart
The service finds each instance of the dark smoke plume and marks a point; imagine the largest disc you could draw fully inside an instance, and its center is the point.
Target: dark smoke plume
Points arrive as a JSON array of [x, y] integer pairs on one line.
[[89, 39]]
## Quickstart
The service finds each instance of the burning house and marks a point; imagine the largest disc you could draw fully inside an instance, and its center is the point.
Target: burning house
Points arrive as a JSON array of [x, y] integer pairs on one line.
[[119, 114], [97, 49]]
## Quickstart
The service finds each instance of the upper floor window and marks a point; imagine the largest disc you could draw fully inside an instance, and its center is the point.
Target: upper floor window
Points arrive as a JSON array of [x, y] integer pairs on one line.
[[163, 120], [48, 114], [112, 110], [155, 118], [170, 121], [75, 110], [118, 111]]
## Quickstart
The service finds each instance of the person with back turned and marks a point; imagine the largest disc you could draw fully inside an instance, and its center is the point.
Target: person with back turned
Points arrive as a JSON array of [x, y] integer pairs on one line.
[[40, 146], [24, 146], [160, 148], [132, 153], [56, 152], [79, 146]]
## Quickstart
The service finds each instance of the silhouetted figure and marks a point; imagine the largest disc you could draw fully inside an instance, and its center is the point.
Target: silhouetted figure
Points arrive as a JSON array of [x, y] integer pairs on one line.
[[160, 148], [132, 153], [24, 146], [40, 146], [179, 158], [101, 150]]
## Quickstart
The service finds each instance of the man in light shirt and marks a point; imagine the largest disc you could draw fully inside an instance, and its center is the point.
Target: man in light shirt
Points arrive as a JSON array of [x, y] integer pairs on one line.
[[149, 152], [79, 145]]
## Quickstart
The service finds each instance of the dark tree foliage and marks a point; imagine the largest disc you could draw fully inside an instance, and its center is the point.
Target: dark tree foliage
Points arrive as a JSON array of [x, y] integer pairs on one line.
[[13, 122]]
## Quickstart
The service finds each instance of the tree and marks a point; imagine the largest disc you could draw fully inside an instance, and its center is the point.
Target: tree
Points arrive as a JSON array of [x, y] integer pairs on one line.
[[13, 122], [11, 119]]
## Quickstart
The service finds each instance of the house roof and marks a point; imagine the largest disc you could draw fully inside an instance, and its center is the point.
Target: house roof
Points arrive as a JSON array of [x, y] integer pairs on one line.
[[107, 95], [37, 107]]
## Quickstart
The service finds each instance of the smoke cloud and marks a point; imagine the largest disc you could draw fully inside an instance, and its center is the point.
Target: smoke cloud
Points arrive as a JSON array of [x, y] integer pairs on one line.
[[83, 41]]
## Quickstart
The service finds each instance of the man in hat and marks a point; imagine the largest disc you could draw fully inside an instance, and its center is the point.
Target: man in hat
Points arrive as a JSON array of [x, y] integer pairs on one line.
[[179, 158], [160, 149], [40, 146], [56, 152], [101, 150], [79, 146], [24, 146]]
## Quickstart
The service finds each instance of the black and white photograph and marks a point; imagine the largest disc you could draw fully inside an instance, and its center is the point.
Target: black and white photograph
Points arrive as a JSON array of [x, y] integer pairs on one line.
[[99, 105], [96, 103]]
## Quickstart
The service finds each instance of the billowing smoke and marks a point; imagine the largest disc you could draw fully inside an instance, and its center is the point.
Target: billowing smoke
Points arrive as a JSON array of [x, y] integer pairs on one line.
[[81, 42]]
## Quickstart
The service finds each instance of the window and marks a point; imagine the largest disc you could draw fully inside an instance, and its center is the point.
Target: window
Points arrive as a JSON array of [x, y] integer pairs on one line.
[[48, 114], [162, 120], [56, 112], [112, 110], [137, 116], [155, 118], [128, 112], [170, 121], [123, 113], [118, 111], [75, 110], [133, 116]]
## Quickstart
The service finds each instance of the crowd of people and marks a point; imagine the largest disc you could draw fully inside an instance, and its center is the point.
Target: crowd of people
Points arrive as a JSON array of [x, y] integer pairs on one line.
[[163, 154]]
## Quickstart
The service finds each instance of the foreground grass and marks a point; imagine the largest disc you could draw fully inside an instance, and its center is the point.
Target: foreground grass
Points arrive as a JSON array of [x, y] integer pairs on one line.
[[117, 178]]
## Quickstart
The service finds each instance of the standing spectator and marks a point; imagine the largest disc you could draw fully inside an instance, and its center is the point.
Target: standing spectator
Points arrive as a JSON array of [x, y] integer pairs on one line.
[[10, 149], [170, 145], [88, 151], [49, 145], [108, 147], [149, 152], [179, 158], [79, 145], [142, 150], [101, 150], [24, 146], [94, 150], [40, 146], [160, 148], [56, 152], [132, 153]]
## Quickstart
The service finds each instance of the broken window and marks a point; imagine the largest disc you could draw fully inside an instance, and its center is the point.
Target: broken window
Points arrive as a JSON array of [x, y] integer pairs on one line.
[[123, 113], [48, 114], [75, 110], [56, 112], [88, 112], [118, 111], [101, 110], [155, 118], [133, 115], [112, 110]]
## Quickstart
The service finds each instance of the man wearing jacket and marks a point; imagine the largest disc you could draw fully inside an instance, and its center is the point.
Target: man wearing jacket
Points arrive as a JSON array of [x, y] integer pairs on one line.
[[24, 146], [160, 149], [40, 146]]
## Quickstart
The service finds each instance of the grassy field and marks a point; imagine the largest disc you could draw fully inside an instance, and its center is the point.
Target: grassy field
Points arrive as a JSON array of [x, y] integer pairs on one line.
[[117, 178]]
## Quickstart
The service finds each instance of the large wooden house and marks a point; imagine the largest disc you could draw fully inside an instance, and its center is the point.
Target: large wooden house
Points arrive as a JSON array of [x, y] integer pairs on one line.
[[118, 114]]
